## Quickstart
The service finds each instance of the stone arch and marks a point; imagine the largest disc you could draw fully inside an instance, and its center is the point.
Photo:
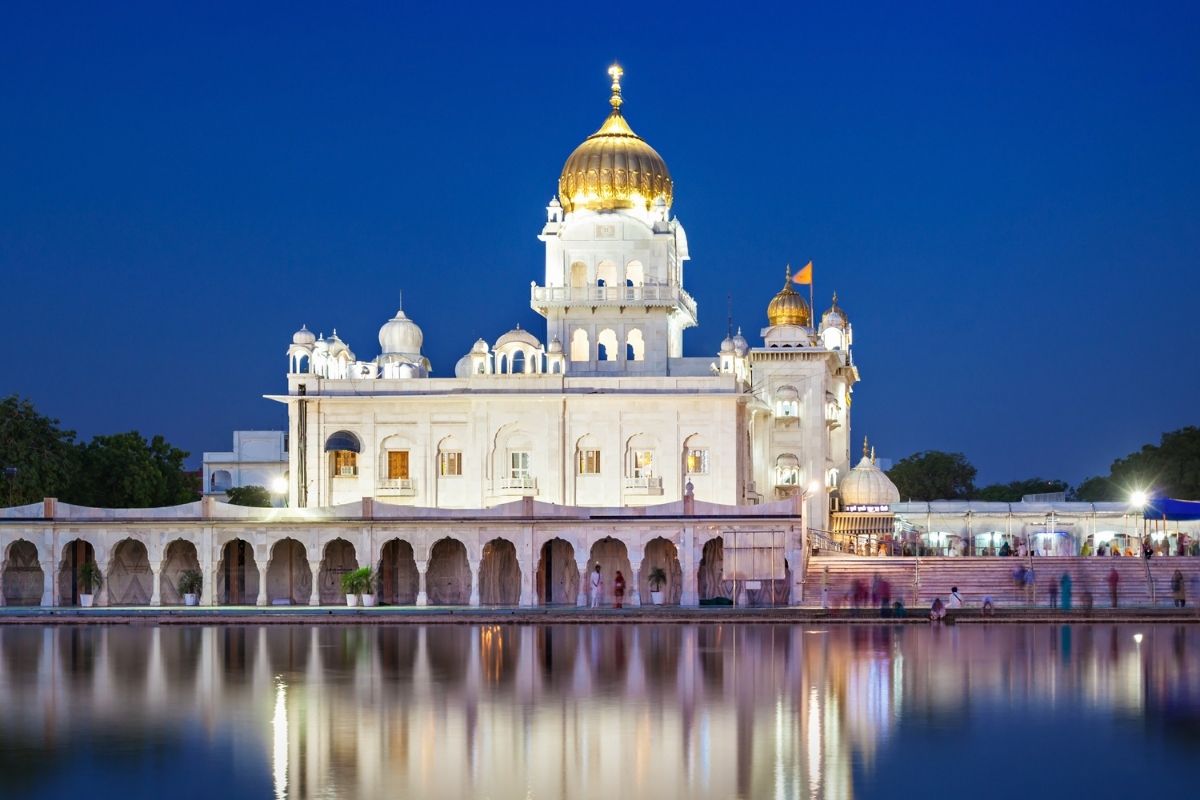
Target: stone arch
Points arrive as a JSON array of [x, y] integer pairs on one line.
[[557, 573], [23, 576], [660, 552], [237, 574], [606, 274], [612, 555], [579, 276], [635, 345], [75, 554], [289, 578], [635, 273], [581, 349], [641, 456], [338, 559], [606, 345], [399, 579], [180, 556], [220, 480], [342, 449], [710, 581], [448, 576], [499, 574], [130, 581]]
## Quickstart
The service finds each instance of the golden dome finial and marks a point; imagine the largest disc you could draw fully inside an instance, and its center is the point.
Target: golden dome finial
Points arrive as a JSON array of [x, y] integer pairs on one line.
[[787, 275], [616, 72], [788, 307]]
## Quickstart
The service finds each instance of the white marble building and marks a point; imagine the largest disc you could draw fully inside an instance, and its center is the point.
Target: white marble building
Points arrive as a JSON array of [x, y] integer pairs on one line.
[[602, 409], [258, 458]]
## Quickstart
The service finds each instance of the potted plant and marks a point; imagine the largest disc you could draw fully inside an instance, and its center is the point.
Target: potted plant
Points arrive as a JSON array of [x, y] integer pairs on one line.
[[367, 586], [190, 584], [90, 580], [350, 583], [658, 577]]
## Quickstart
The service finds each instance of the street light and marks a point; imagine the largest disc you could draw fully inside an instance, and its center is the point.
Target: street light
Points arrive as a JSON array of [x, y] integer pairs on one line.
[[1138, 499], [279, 487]]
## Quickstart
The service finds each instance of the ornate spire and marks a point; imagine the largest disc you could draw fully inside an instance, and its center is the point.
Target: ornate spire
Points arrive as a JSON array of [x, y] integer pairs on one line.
[[616, 72], [872, 454], [787, 275], [865, 447]]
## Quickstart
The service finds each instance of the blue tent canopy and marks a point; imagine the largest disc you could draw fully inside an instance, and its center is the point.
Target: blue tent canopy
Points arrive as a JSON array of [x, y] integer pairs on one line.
[[1176, 510]]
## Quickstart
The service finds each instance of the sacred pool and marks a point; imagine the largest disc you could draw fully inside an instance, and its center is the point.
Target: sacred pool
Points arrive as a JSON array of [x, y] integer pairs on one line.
[[604, 711]]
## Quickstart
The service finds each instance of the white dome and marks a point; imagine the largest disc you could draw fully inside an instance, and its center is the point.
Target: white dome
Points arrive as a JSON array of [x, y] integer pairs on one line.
[[303, 336], [555, 345], [518, 335], [400, 335], [480, 347], [740, 345], [336, 345], [462, 369], [834, 316], [321, 345], [726, 345], [868, 485]]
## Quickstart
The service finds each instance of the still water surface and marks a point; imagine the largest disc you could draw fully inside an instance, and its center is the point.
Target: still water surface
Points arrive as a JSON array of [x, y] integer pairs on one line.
[[614, 712]]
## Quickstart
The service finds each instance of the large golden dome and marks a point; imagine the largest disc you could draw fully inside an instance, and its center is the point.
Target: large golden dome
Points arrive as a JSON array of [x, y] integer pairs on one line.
[[614, 167], [788, 307]]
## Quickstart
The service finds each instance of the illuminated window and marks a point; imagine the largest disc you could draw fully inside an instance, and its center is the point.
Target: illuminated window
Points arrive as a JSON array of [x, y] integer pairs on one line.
[[697, 461], [643, 463], [450, 464], [345, 463], [589, 462], [518, 464]]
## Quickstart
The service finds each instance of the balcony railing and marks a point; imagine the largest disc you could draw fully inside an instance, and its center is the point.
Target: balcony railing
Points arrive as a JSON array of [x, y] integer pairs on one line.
[[516, 484], [347, 472], [543, 297], [398, 485], [644, 485]]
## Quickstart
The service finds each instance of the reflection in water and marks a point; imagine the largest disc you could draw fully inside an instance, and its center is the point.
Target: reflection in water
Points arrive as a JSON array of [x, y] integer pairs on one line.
[[570, 711]]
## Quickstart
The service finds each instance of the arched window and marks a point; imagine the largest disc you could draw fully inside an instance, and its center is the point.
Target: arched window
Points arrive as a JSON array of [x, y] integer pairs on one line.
[[787, 470], [833, 339], [606, 274], [635, 274], [343, 448], [518, 362], [787, 402], [635, 346], [580, 349], [579, 275], [502, 364], [606, 345], [587, 456]]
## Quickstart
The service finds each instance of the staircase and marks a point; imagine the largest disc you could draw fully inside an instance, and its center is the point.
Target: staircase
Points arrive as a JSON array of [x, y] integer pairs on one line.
[[1162, 569]]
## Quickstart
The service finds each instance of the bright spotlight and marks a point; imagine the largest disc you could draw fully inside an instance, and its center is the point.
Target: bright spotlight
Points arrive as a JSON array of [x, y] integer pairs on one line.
[[1137, 637], [1138, 498], [279, 485]]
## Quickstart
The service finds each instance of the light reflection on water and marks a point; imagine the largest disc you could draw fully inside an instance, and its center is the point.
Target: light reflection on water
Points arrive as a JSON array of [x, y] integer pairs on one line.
[[610, 711]]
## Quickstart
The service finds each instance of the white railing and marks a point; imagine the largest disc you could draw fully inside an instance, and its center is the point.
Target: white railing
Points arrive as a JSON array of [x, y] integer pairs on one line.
[[516, 483], [645, 484], [542, 296], [347, 472], [398, 484]]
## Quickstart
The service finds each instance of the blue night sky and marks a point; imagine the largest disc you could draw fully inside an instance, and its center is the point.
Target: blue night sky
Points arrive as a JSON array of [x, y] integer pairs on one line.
[[1006, 197]]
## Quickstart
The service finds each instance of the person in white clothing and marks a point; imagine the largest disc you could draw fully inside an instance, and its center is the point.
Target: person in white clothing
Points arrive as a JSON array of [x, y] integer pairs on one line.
[[596, 583], [955, 598]]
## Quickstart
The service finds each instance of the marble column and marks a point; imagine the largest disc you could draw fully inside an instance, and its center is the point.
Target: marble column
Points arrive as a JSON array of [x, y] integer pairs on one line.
[[210, 584], [527, 584], [635, 595], [314, 597], [583, 583], [49, 597], [156, 588], [422, 598], [262, 586], [101, 597], [473, 565]]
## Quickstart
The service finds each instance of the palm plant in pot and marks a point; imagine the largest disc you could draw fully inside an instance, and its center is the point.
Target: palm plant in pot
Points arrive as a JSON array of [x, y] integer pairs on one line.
[[658, 577], [366, 585], [350, 585], [90, 580], [190, 584]]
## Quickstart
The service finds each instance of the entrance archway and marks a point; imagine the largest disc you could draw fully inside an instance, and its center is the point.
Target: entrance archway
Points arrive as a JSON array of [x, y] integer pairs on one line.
[[398, 576], [661, 553], [180, 557], [75, 555], [339, 559], [448, 578], [499, 574], [557, 573], [23, 577], [709, 581], [130, 581], [612, 555], [237, 574], [289, 580]]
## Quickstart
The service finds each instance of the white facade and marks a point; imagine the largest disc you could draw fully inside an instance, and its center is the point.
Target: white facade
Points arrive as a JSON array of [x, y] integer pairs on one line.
[[603, 409], [258, 458]]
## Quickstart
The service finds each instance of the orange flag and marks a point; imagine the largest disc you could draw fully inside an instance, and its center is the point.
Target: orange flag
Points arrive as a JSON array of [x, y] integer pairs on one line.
[[804, 275]]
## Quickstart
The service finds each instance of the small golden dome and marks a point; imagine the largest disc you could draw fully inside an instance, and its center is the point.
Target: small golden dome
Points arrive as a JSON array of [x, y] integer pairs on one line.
[[614, 167], [788, 307]]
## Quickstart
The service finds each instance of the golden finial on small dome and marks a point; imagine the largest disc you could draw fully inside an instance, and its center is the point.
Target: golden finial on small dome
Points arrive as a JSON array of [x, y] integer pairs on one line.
[[616, 72]]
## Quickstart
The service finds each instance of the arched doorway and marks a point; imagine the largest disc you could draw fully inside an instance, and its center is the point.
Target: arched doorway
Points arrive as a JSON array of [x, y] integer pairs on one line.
[[660, 553], [130, 581], [23, 577], [709, 581], [499, 574], [339, 559], [289, 580], [237, 574], [612, 555], [75, 555], [557, 574], [399, 580], [180, 557], [448, 579]]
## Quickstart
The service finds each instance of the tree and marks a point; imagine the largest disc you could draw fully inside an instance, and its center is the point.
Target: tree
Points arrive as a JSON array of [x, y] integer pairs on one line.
[[1097, 489], [126, 471], [1013, 491], [43, 455], [1170, 468], [934, 475], [256, 496]]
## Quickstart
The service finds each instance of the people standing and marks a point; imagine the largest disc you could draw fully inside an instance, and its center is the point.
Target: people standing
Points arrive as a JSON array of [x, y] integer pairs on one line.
[[596, 586], [1177, 590], [1065, 585], [1053, 590], [619, 589], [1114, 579]]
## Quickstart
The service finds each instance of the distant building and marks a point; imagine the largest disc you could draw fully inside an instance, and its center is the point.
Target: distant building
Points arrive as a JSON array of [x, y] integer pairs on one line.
[[258, 458]]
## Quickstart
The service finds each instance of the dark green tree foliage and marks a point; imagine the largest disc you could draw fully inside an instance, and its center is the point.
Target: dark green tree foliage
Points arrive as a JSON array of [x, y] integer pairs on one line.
[[1096, 490], [250, 496], [934, 475], [126, 471], [1014, 491], [1170, 468], [43, 454]]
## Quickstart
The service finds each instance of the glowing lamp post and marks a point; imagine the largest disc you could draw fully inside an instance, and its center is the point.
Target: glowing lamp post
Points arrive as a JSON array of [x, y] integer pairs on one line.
[[279, 488]]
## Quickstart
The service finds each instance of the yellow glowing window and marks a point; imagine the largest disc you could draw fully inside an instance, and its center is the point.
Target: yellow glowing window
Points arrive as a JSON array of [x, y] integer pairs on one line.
[[345, 462], [397, 466], [697, 461], [589, 462], [643, 463], [450, 464]]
